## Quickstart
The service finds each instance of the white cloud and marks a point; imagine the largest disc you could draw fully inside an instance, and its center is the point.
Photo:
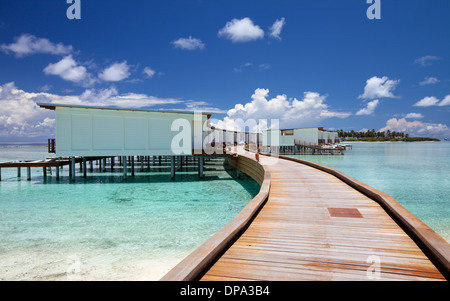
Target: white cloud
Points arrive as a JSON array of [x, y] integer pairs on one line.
[[426, 60], [427, 102], [149, 72], [377, 87], [414, 116], [275, 29], [429, 81], [433, 101], [329, 114], [241, 31], [189, 43], [370, 109], [28, 44], [290, 112], [19, 114], [445, 101], [417, 128], [115, 72], [68, 69]]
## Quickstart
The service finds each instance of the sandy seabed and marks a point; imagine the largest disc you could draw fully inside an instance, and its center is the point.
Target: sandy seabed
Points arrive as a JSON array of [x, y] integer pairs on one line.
[[39, 267]]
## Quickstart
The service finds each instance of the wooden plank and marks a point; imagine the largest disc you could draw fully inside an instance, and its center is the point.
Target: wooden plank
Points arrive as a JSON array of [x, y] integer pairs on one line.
[[300, 235]]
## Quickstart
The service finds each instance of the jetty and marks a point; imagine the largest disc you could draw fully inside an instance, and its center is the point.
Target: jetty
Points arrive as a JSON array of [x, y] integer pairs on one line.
[[311, 222]]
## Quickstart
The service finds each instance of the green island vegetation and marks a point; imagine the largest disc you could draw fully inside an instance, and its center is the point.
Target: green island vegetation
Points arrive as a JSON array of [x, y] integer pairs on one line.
[[374, 136]]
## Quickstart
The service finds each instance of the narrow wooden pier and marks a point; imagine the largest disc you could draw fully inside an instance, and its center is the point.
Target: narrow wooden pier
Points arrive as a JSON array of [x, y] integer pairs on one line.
[[315, 226]]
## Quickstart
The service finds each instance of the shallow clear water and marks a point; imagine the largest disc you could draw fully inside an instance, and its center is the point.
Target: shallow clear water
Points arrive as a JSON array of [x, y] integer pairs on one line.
[[417, 175], [105, 227]]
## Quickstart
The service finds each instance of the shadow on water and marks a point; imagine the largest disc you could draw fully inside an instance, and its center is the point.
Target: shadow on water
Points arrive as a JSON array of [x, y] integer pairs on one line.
[[214, 170]]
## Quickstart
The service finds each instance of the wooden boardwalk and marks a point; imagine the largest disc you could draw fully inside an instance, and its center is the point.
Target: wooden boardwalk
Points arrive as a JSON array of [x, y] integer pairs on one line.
[[316, 227]]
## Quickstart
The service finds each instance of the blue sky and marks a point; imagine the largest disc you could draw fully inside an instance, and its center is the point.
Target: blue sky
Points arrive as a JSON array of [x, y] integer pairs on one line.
[[306, 63]]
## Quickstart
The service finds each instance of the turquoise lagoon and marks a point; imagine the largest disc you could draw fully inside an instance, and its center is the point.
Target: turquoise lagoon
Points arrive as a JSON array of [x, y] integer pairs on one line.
[[108, 228], [416, 174]]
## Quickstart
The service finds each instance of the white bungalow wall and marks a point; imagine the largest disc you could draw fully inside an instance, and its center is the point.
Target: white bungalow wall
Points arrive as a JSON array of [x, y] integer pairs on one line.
[[99, 132], [307, 136]]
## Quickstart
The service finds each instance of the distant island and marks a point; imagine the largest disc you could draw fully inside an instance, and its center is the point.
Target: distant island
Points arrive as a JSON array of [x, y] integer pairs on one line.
[[374, 136]]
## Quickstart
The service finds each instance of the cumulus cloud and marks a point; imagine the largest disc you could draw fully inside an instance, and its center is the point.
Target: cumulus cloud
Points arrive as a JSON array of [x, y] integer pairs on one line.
[[188, 43], [68, 69], [290, 112], [426, 60], [242, 30], [369, 109], [379, 87], [275, 29], [429, 81], [417, 128], [433, 101], [445, 101], [28, 44], [19, 114], [115, 72], [414, 116]]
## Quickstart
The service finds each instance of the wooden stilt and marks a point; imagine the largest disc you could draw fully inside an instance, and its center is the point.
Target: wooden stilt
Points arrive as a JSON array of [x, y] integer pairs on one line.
[[172, 167], [124, 161], [73, 168], [57, 173], [84, 167], [200, 168]]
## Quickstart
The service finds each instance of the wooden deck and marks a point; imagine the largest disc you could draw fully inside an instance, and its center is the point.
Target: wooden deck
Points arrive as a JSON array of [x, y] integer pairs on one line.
[[314, 226]]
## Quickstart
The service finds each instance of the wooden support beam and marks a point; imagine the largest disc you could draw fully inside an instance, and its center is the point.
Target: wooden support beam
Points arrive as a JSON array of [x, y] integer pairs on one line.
[[57, 173], [84, 167], [18, 172], [124, 163], [200, 167], [28, 173], [132, 166], [72, 163], [172, 167]]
